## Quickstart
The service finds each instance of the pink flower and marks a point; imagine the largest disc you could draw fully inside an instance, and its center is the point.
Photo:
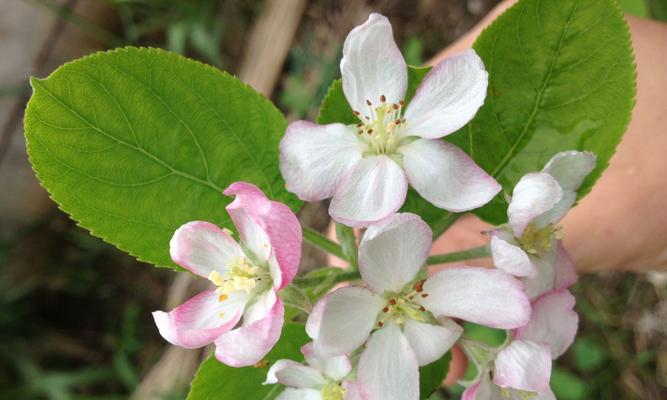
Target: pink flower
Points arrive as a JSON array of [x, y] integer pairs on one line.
[[243, 316], [366, 168], [405, 321], [324, 378], [529, 246]]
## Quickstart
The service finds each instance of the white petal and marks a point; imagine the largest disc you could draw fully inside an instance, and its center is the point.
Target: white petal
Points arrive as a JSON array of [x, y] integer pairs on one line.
[[524, 365], [372, 66], [545, 279], [445, 176], [392, 252], [553, 321], [336, 368], [201, 247], [313, 158], [566, 274], [388, 367], [534, 194], [430, 342], [348, 318], [488, 297], [262, 306], [372, 191], [290, 373], [484, 390], [314, 320], [448, 97], [570, 168], [508, 256], [300, 394]]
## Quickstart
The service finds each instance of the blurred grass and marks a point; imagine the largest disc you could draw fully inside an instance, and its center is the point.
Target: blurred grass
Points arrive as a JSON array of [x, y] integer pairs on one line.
[[75, 313]]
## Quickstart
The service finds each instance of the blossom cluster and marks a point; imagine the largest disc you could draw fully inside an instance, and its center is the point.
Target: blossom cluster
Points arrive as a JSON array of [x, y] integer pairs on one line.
[[369, 339]]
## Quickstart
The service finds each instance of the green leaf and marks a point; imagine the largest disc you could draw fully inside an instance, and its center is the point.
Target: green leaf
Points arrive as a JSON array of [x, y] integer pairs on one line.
[[432, 375], [566, 385], [132, 143], [561, 77], [348, 242], [215, 380]]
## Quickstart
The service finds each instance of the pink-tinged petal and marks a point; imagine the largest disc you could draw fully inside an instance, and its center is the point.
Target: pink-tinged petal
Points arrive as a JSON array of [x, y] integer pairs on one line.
[[445, 176], [570, 168], [348, 318], [524, 365], [300, 394], [430, 342], [545, 279], [200, 320], [484, 390], [264, 225], [488, 297], [249, 343], [566, 274], [448, 97], [314, 320], [336, 368], [261, 307], [372, 191], [388, 368], [509, 257], [393, 251], [535, 194], [313, 158], [354, 391], [553, 321], [201, 248], [291, 373], [372, 66]]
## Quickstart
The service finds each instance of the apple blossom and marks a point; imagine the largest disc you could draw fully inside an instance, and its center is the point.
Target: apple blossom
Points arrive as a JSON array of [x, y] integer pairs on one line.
[[406, 321], [529, 245], [324, 378], [366, 168], [243, 316]]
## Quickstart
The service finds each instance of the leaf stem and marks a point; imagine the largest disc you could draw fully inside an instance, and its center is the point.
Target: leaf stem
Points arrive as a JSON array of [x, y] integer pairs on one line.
[[468, 254], [323, 243], [444, 224]]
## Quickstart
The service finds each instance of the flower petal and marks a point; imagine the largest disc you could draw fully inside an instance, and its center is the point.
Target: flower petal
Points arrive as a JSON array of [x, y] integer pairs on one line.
[[372, 191], [545, 279], [313, 158], [566, 274], [249, 343], [348, 318], [534, 194], [314, 320], [488, 297], [430, 342], [445, 176], [198, 321], [388, 367], [354, 391], [484, 390], [372, 66], [509, 257], [201, 248], [553, 321], [392, 252], [570, 168], [448, 97], [268, 228], [300, 394], [335, 368], [294, 374], [524, 365]]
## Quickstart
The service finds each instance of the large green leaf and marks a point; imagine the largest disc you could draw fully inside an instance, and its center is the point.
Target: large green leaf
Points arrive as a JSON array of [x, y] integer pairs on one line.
[[215, 380], [561, 77], [432, 375], [133, 142]]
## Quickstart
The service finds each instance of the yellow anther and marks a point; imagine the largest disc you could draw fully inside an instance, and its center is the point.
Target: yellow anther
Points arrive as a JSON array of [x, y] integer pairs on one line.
[[222, 297], [221, 314], [216, 278]]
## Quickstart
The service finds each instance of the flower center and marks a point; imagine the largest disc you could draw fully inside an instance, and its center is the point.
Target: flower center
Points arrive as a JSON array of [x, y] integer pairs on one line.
[[538, 240], [241, 275], [380, 130], [401, 307], [333, 391]]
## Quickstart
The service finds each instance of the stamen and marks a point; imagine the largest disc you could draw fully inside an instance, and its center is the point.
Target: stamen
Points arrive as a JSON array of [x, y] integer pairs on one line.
[[383, 99], [394, 106], [380, 324], [386, 309], [221, 314], [392, 302], [424, 295], [222, 297], [369, 102], [355, 112]]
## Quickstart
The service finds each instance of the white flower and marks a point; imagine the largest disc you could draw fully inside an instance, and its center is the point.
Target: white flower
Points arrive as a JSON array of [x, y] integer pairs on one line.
[[366, 168], [406, 322], [529, 246]]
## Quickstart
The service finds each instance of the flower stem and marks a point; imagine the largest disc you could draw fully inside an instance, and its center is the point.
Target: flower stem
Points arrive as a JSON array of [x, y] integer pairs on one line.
[[323, 243], [469, 254], [444, 224]]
